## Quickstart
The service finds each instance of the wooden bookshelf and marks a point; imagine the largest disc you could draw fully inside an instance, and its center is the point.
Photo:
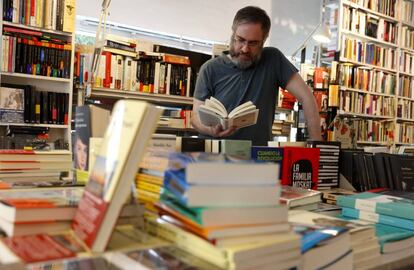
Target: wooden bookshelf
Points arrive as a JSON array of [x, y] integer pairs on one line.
[[98, 93], [344, 26]]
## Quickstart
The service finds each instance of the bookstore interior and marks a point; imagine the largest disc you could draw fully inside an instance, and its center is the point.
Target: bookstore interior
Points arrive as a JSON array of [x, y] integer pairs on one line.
[[88, 103]]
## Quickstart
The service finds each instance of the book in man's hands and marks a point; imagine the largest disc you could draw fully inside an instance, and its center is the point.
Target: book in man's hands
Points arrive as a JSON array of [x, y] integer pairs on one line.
[[213, 112]]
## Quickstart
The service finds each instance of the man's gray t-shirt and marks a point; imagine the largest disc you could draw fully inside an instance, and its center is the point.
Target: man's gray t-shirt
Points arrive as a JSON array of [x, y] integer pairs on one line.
[[220, 78]]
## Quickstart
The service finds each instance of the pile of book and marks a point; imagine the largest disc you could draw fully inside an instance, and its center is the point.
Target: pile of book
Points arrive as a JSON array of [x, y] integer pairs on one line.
[[300, 198], [31, 168], [392, 209], [226, 212], [362, 240]]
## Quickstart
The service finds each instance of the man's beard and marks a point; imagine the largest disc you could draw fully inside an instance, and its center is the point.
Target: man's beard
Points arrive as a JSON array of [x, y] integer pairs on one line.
[[244, 64]]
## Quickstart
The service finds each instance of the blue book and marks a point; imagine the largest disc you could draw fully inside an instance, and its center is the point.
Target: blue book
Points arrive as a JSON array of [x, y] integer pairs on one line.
[[393, 238], [378, 203], [314, 235], [268, 154], [378, 218]]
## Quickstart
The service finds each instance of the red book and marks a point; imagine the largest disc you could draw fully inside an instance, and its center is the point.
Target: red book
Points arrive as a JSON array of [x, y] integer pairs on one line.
[[300, 167], [107, 80]]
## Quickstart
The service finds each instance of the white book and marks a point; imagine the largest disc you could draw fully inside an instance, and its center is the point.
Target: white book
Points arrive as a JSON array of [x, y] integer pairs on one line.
[[188, 87], [134, 83], [127, 73], [119, 83], [168, 79], [157, 77], [114, 70], [213, 113]]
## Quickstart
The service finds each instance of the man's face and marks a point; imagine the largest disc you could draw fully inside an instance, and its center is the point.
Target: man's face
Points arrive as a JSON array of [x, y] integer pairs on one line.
[[246, 44]]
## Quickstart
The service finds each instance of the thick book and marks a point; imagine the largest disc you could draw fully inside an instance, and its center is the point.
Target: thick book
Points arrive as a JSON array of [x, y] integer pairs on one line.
[[380, 204], [219, 195], [392, 239], [221, 216], [213, 113], [208, 168], [124, 143]]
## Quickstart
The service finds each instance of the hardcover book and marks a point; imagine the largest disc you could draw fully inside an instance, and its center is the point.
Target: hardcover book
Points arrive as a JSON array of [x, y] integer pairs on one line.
[[213, 113]]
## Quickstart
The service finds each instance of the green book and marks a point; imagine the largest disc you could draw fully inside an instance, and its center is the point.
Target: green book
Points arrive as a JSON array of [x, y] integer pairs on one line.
[[380, 204]]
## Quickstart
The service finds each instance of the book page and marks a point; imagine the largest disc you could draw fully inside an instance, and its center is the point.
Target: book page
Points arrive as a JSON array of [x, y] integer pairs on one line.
[[244, 119], [241, 107], [213, 102], [208, 117]]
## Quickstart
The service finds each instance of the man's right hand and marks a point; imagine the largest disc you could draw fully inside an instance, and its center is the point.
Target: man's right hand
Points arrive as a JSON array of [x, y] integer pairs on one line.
[[217, 131]]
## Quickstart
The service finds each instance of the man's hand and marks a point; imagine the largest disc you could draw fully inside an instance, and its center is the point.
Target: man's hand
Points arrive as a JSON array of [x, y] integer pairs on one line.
[[217, 131]]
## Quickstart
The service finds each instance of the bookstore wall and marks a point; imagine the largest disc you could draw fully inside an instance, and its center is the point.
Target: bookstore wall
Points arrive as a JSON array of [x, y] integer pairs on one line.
[[101, 168]]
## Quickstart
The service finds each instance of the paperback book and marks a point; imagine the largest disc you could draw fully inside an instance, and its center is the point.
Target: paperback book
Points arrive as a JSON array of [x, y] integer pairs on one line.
[[213, 113]]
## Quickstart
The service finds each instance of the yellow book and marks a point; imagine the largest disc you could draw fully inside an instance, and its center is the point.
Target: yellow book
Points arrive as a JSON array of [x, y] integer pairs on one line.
[[147, 196], [150, 179], [69, 13], [143, 185]]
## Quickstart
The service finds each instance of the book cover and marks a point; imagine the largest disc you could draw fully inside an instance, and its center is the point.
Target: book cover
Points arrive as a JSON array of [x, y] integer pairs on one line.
[[268, 154], [90, 121], [300, 167], [130, 127], [11, 105], [236, 148]]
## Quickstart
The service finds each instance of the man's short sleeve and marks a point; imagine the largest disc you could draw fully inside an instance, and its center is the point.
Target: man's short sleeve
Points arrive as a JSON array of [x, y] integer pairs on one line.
[[285, 69], [202, 89]]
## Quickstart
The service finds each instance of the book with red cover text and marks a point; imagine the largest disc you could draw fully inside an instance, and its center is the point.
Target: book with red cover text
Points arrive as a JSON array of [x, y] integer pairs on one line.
[[300, 167]]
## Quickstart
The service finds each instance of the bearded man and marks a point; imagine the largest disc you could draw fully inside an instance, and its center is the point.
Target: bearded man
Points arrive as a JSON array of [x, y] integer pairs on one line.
[[251, 72]]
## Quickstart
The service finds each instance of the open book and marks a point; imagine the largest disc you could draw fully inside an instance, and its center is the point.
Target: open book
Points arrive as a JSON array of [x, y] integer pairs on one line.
[[213, 113]]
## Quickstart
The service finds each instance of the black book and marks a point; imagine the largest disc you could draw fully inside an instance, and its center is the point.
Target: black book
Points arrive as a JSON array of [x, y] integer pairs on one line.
[[388, 171], [402, 167], [379, 168], [190, 144], [45, 108]]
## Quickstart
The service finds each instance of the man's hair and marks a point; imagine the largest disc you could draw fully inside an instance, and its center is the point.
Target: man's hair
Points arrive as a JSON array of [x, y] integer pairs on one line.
[[252, 14]]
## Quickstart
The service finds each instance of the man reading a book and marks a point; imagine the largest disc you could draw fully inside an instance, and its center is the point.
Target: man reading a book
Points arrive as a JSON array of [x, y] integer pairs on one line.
[[250, 72]]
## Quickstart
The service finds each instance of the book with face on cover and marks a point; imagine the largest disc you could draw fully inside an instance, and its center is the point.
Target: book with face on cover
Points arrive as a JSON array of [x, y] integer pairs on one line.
[[108, 188], [114, 170], [213, 113]]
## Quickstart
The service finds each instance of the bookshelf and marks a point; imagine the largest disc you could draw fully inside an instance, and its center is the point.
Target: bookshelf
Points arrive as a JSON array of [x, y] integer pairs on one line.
[[375, 50], [37, 55]]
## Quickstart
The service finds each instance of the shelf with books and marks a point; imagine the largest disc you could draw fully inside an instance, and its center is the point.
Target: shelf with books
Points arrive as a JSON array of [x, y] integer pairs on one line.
[[368, 38], [391, 70], [405, 98], [363, 115], [154, 98], [364, 91], [35, 77], [373, 143], [34, 28], [36, 71], [379, 14], [406, 74], [405, 119], [407, 49], [35, 125]]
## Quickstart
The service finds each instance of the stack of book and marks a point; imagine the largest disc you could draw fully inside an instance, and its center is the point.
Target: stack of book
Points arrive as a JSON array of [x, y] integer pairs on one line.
[[31, 211], [28, 167], [45, 210], [229, 210], [363, 241], [396, 212], [300, 198]]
